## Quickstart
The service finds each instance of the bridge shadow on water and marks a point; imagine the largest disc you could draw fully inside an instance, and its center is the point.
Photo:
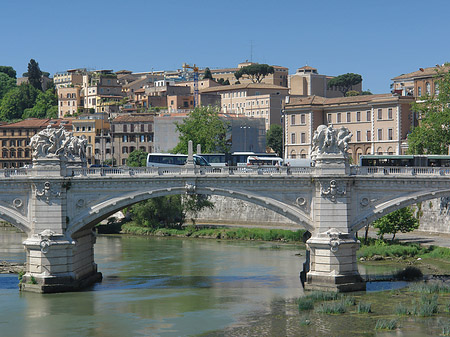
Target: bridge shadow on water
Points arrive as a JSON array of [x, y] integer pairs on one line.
[[184, 282]]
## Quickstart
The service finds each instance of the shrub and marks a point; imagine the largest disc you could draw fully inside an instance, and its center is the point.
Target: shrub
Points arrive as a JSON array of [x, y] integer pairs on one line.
[[305, 303], [335, 307], [409, 274], [402, 310], [385, 324], [430, 288], [364, 308]]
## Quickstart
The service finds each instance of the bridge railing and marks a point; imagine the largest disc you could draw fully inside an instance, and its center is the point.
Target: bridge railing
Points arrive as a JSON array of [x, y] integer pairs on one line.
[[208, 170], [409, 171]]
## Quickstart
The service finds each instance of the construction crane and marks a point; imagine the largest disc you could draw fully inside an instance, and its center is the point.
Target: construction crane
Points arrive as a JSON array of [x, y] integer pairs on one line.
[[195, 69]]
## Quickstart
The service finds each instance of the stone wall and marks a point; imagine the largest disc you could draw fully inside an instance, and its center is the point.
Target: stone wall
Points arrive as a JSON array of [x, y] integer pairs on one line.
[[434, 214]]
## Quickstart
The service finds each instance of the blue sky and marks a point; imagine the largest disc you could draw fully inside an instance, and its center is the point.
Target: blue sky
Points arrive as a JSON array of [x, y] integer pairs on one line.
[[377, 39]]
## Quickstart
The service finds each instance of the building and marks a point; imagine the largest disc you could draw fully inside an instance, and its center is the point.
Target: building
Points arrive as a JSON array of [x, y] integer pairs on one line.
[[70, 101], [101, 92], [69, 78], [307, 82], [379, 123], [279, 76], [256, 100], [96, 129], [131, 132], [418, 83], [15, 139]]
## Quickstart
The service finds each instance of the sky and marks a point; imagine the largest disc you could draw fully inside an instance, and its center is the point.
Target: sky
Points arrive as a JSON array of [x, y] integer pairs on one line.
[[378, 39]]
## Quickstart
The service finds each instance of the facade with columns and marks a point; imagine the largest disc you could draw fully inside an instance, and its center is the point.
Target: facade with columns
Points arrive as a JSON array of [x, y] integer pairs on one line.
[[379, 123]]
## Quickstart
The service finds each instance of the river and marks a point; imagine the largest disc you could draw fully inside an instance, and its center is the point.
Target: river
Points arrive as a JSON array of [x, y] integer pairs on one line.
[[155, 287]]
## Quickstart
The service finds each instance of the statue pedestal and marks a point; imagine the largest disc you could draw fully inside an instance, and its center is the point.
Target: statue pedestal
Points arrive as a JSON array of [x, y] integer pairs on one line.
[[49, 166], [331, 164]]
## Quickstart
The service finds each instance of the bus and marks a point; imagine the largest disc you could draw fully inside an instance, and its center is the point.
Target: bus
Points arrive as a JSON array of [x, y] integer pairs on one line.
[[264, 161], [215, 159], [232, 159], [405, 160], [169, 159]]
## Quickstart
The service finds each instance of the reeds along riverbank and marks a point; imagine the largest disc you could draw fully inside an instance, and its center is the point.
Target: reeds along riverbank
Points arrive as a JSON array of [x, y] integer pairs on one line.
[[256, 234]]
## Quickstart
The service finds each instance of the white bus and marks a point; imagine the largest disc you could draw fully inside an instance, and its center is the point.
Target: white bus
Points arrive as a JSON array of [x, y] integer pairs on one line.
[[169, 159], [264, 161]]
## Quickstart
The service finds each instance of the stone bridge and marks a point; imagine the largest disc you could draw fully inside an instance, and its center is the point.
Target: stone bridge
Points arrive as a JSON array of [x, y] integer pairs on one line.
[[57, 205]]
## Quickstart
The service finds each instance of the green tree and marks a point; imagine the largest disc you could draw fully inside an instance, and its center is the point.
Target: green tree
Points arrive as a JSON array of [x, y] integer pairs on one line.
[[158, 212], [402, 220], [194, 203], [204, 127], [46, 106], [137, 158], [16, 101], [207, 74], [345, 82], [223, 82], [8, 71], [256, 72], [274, 138], [34, 74], [432, 135], [6, 84]]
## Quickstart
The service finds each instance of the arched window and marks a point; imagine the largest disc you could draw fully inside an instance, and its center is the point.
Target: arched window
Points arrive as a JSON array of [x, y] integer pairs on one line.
[[13, 153], [5, 153], [124, 149], [428, 86], [293, 154], [20, 153]]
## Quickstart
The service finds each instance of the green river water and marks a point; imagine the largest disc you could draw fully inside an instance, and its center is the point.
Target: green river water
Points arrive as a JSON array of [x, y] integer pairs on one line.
[[179, 287]]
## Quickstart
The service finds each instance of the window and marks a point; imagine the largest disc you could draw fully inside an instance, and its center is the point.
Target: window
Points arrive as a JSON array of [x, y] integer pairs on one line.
[[368, 115], [12, 143], [349, 117], [19, 142], [380, 134], [131, 127], [419, 91], [292, 138], [436, 88], [125, 128], [302, 119], [358, 136], [125, 138], [380, 114], [390, 113], [4, 143], [303, 138], [329, 118], [124, 149], [428, 88], [368, 135], [142, 128], [358, 116], [142, 138], [390, 134], [338, 117]]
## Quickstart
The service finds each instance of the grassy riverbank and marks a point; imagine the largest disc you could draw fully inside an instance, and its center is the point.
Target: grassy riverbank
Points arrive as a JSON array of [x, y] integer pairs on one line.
[[256, 234]]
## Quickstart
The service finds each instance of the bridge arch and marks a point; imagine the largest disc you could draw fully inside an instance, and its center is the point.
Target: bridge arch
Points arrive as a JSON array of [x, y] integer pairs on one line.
[[15, 219], [386, 207], [93, 215]]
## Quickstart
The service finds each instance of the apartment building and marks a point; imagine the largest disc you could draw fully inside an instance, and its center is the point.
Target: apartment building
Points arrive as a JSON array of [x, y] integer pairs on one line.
[[101, 92], [307, 82], [70, 101], [379, 123], [96, 129], [256, 100], [69, 78], [279, 76], [131, 132], [15, 139], [418, 83]]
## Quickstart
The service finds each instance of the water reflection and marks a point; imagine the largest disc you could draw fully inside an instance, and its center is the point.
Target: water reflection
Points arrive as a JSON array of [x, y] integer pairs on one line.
[[157, 286]]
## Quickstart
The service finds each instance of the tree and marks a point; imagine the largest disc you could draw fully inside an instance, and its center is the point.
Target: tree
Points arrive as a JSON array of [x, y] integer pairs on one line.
[[6, 84], [204, 127], [137, 158], [402, 220], [256, 72], [223, 82], [46, 106], [34, 74], [274, 138], [345, 82], [16, 101], [432, 136], [207, 74], [8, 71]]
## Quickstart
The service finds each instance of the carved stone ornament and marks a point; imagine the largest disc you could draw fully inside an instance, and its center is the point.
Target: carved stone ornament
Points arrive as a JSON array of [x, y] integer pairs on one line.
[[364, 202], [80, 203], [47, 193], [327, 140], [300, 201], [332, 190], [18, 203], [335, 241], [190, 188], [52, 142]]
